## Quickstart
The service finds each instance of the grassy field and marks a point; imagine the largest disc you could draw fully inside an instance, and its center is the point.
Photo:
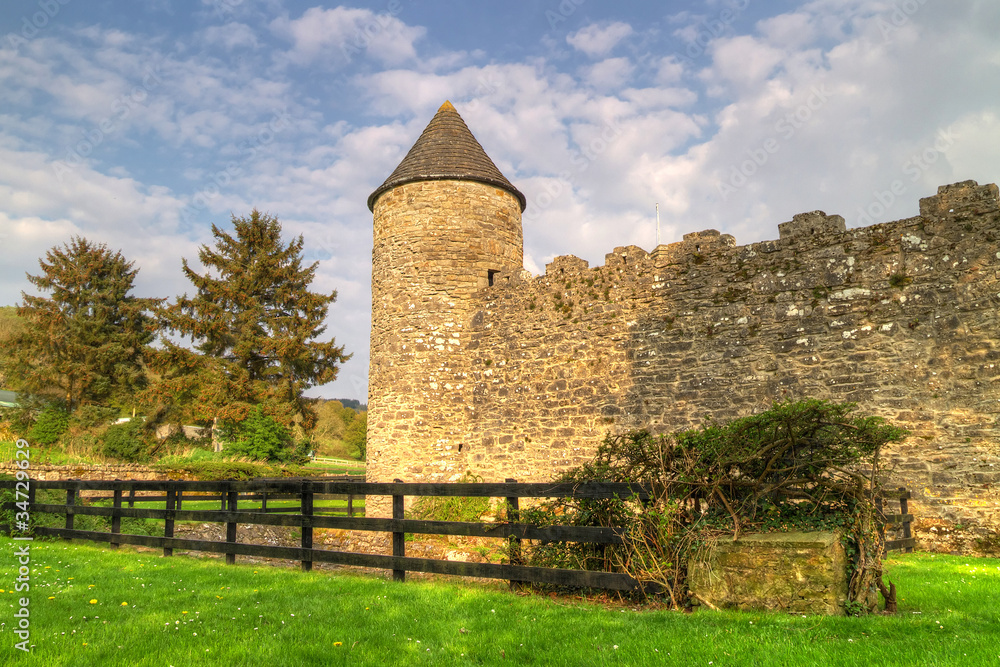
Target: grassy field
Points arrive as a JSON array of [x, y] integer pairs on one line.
[[54, 455], [92, 606], [244, 505]]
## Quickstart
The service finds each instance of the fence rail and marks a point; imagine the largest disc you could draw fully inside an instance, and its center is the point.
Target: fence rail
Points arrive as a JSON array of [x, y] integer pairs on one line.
[[904, 518], [308, 516]]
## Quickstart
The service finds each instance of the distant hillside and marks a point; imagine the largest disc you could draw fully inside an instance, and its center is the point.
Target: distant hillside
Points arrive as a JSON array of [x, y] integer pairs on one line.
[[352, 404]]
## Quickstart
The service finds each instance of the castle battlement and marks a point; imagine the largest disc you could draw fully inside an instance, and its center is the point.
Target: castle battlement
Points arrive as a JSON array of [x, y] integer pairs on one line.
[[960, 200], [480, 368]]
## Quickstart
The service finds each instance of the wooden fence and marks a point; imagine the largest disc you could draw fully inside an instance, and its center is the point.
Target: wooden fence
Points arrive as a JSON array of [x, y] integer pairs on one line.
[[903, 519], [307, 518]]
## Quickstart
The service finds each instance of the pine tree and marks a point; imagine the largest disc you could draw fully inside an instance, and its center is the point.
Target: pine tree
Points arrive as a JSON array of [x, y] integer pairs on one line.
[[254, 315], [86, 342]]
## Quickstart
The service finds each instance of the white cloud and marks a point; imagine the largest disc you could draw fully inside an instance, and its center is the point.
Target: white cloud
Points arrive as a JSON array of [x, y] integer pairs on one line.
[[742, 62], [609, 74], [597, 40], [231, 35], [342, 34], [788, 30]]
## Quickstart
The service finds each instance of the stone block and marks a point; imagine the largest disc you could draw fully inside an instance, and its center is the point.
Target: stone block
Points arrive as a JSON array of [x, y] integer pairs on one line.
[[803, 573]]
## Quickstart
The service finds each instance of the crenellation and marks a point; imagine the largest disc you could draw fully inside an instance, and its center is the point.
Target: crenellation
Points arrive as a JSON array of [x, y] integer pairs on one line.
[[811, 224], [961, 200]]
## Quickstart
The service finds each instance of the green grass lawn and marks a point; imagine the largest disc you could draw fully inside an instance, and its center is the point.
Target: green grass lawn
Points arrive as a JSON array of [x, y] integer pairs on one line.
[[183, 611], [243, 506]]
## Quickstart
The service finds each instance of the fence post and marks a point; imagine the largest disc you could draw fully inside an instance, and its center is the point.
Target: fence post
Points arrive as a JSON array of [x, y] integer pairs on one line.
[[70, 503], [398, 538], [131, 497], [904, 508], [263, 501], [350, 504], [116, 517], [180, 494], [168, 523], [513, 541], [231, 497], [31, 500], [307, 531]]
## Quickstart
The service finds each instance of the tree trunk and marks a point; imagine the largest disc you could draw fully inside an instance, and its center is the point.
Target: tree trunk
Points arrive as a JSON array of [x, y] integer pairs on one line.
[[890, 596]]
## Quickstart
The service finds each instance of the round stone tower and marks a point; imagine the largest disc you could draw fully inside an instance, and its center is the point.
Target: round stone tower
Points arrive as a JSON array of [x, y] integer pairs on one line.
[[446, 222]]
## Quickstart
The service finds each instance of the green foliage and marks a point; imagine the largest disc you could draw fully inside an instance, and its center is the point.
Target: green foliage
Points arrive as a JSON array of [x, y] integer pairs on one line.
[[86, 342], [356, 435], [125, 442], [899, 280], [332, 420], [259, 437], [807, 465], [91, 417], [212, 470], [452, 508], [11, 326], [255, 323], [51, 423]]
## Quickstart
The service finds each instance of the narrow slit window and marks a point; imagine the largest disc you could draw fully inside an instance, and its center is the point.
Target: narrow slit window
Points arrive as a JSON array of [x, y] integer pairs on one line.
[[491, 276]]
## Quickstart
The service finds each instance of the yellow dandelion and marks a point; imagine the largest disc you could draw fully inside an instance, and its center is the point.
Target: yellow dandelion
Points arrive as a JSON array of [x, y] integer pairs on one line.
[[84, 643], [69, 578], [93, 602], [183, 612], [124, 604], [51, 597], [338, 643], [90, 586]]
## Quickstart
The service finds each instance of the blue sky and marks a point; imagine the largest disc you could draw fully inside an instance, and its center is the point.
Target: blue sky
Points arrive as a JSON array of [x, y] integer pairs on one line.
[[140, 123]]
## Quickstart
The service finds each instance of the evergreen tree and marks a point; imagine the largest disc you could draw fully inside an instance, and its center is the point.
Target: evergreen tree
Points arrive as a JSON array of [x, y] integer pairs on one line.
[[86, 342], [253, 314]]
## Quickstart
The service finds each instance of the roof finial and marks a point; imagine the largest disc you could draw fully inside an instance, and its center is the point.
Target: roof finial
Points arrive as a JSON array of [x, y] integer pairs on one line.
[[447, 106]]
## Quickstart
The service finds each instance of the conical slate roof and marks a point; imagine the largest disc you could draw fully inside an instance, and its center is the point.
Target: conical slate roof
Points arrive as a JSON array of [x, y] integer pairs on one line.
[[446, 151]]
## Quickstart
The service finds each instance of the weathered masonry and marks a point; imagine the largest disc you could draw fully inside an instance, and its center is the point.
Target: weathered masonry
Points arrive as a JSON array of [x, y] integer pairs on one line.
[[478, 367]]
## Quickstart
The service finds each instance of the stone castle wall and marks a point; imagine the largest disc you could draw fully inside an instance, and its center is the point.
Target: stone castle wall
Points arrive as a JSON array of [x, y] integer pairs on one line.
[[900, 317]]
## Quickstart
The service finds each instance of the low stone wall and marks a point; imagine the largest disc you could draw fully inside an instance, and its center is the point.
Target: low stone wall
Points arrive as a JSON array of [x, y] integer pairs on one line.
[[123, 471], [801, 573]]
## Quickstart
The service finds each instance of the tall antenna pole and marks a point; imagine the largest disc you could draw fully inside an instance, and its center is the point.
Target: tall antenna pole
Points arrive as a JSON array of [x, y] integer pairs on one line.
[[657, 223]]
